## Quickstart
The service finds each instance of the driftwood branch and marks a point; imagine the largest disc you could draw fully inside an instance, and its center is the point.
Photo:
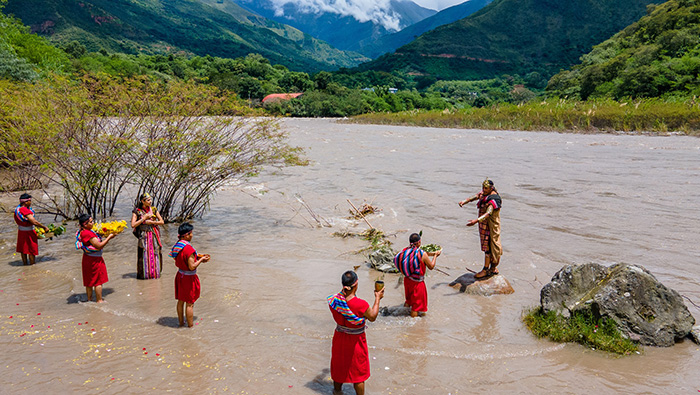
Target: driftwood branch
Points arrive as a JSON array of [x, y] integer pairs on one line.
[[361, 215]]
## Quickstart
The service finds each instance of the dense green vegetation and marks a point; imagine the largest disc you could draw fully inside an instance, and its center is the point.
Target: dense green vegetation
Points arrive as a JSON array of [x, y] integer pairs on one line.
[[513, 37], [185, 26], [593, 116], [658, 56], [503, 102], [584, 328], [25, 56], [374, 47]]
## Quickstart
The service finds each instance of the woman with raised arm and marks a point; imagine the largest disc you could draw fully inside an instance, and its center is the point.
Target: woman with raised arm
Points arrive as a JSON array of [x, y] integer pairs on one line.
[[489, 220]]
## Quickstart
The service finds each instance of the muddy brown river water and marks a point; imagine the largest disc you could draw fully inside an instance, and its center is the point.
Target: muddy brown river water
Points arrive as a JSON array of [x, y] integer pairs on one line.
[[263, 326]]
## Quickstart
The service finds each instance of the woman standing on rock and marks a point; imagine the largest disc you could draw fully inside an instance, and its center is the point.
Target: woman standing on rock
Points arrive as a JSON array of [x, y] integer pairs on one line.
[[489, 205], [145, 220]]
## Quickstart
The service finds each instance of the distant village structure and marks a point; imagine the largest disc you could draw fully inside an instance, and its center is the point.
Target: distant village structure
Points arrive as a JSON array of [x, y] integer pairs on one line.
[[277, 97]]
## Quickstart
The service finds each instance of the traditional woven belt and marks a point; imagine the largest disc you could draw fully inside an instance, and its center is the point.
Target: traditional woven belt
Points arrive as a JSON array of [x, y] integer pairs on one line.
[[25, 228], [186, 272], [418, 279], [350, 331], [93, 253]]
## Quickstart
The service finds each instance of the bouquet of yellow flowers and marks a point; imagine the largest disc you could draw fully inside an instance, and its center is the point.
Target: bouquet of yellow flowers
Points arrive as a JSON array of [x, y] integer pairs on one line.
[[108, 228]]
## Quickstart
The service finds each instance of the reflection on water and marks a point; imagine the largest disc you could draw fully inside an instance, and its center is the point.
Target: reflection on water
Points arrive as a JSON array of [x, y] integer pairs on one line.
[[262, 325]]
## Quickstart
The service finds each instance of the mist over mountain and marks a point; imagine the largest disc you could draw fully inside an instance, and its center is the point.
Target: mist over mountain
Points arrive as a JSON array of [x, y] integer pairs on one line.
[[390, 42], [341, 24], [513, 37]]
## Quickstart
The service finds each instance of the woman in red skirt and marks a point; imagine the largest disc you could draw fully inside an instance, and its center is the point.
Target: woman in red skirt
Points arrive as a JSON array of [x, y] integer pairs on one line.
[[94, 268], [349, 354], [27, 241], [187, 287]]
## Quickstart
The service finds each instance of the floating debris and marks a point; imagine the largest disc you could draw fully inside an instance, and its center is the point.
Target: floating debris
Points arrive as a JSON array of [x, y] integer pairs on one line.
[[365, 209]]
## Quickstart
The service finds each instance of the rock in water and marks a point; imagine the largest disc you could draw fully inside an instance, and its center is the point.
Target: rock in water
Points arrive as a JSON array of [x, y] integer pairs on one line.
[[494, 285], [695, 334], [383, 260], [643, 309]]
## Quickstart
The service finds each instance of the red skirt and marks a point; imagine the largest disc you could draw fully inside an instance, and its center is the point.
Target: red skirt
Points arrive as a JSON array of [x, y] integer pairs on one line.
[[94, 271], [349, 358], [416, 294], [27, 242], [187, 288]]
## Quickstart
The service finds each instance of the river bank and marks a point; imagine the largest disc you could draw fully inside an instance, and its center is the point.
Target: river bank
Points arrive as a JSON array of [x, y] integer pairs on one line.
[[263, 324], [644, 116]]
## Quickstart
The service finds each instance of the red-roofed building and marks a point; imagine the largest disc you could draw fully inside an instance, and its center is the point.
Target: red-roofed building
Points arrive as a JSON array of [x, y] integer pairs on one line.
[[280, 97]]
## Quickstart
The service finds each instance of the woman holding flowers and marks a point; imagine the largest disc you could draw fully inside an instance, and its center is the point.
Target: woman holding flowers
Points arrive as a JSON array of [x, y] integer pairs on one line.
[[93, 265], [145, 220]]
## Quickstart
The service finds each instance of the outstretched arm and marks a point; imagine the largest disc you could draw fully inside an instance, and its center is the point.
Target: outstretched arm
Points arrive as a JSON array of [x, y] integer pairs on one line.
[[469, 200], [372, 313], [489, 211], [95, 242], [430, 262], [34, 222]]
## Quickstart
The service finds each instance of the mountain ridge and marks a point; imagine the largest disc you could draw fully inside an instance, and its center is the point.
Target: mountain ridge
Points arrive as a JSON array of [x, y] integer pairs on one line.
[[541, 36], [166, 26], [342, 31], [391, 42]]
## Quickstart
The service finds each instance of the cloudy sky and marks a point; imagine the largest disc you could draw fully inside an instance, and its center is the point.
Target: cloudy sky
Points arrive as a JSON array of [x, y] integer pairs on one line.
[[378, 11]]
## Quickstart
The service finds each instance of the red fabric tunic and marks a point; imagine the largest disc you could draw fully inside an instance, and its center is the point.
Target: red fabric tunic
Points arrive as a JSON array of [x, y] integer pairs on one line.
[[349, 354], [416, 292], [94, 268], [27, 242], [187, 287]]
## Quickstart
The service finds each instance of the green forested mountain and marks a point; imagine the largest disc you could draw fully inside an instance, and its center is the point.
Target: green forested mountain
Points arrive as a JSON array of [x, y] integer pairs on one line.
[[657, 56], [389, 42], [172, 26], [513, 37]]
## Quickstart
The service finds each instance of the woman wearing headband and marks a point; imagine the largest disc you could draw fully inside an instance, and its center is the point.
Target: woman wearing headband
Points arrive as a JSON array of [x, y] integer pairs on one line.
[[145, 220], [187, 286], [489, 205], [27, 241], [349, 354], [93, 265]]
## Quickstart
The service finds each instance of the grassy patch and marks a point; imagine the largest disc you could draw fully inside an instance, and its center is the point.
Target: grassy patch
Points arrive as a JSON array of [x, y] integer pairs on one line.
[[582, 327], [641, 116]]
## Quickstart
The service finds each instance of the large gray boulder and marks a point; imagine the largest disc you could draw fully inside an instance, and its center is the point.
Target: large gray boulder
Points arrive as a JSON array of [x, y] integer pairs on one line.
[[644, 309]]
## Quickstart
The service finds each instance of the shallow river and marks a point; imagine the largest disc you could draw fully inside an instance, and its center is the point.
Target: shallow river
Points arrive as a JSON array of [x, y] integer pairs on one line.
[[263, 326]]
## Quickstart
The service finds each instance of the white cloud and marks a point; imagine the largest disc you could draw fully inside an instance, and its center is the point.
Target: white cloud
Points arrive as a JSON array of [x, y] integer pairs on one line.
[[377, 11]]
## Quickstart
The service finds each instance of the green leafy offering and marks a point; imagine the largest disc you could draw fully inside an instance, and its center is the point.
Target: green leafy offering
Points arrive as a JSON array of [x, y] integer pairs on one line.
[[431, 248], [56, 230]]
